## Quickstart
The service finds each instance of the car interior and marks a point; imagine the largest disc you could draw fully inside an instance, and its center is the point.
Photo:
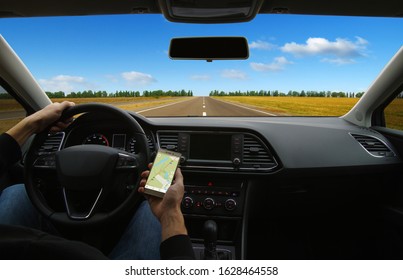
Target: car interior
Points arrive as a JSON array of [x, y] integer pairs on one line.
[[265, 188]]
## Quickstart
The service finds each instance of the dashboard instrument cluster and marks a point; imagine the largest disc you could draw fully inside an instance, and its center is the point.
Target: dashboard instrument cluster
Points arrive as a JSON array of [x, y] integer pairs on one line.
[[114, 136], [116, 140]]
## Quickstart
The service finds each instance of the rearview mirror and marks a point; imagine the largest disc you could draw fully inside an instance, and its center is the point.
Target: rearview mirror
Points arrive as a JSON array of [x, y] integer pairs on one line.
[[209, 48]]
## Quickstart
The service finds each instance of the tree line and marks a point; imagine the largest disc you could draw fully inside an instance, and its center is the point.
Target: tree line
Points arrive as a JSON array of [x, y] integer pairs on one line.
[[303, 93], [120, 93], [161, 93]]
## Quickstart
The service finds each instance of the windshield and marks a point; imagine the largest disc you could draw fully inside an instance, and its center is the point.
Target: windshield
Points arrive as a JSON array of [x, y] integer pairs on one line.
[[298, 65]]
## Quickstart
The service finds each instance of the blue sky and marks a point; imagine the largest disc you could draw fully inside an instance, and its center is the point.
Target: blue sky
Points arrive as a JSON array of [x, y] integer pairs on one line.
[[130, 53]]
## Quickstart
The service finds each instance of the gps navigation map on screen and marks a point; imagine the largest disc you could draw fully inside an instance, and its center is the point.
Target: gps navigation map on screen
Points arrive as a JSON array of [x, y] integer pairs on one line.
[[162, 172]]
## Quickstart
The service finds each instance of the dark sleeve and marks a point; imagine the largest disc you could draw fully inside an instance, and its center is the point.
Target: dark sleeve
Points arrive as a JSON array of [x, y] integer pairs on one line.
[[20, 243], [10, 152], [177, 247]]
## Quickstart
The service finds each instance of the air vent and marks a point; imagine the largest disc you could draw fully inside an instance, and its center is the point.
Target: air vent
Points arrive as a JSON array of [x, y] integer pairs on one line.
[[256, 155], [168, 140], [150, 141], [52, 143], [373, 145]]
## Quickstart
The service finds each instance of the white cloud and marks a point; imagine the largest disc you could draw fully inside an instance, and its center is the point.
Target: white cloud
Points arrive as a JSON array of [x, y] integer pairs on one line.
[[261, 45], [321, 46], [138, 78], [64, 83], [339, 61], [234, 74], [278, 64], [361, 41], [201, 77]]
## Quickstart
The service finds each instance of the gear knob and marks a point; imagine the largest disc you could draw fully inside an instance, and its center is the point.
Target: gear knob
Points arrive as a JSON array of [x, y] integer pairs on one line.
[[210, 231], [210, 239]]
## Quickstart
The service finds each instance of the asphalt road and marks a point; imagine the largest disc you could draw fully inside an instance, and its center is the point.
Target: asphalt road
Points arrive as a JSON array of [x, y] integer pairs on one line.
[[196, 106], [202, 107]]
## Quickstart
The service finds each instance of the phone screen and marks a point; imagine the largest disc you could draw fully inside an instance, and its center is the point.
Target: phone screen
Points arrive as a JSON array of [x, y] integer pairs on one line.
[[162, 172]]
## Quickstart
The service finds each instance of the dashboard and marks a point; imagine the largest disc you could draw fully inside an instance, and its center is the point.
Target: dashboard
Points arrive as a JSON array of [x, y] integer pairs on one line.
[[240, 171], [245, 145]]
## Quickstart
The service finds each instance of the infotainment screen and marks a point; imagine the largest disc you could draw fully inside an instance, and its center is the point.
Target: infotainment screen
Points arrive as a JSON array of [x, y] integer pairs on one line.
[[210, 147]]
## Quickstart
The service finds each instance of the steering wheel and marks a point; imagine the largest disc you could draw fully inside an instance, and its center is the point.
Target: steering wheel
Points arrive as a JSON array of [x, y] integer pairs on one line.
[[87, 174]]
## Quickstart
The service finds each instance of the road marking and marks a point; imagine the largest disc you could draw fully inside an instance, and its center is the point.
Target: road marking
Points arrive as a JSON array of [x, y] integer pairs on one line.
[[204, 106], [270, 114], [204, 114], [153, 108]]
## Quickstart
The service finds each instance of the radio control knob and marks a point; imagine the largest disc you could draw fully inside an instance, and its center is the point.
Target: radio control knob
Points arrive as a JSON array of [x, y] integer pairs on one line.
[[236, 161], [182, 160], [230, 204], [208, 203], [187, 202]]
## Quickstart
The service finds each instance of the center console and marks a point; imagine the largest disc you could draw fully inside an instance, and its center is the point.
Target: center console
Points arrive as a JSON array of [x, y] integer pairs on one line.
[[215, 164], [219, 200]]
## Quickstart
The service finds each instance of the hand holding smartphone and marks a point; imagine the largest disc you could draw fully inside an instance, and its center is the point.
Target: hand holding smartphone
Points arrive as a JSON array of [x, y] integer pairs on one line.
[[162, 172]]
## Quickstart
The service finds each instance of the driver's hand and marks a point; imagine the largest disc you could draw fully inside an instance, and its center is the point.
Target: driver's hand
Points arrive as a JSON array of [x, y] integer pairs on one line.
[[40, 120], [172, 199], [49, 115], [168, 209]]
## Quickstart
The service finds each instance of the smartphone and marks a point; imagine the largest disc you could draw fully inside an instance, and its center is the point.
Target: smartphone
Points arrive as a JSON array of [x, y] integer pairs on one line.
[[162, 172]]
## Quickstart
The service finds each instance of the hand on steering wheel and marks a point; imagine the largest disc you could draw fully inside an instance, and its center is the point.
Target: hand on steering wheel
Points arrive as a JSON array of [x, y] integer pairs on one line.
[[86, 174]]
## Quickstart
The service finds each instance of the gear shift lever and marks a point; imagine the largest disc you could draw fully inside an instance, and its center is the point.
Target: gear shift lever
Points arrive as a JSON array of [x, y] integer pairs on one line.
[[210, 240]]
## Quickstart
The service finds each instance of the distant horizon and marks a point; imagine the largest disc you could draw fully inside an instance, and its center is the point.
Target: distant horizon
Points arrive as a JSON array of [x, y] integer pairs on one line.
[[189, 93], [129, 52]]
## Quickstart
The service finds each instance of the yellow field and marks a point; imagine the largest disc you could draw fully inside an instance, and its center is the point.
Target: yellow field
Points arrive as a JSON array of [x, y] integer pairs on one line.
[[315, 106], [282, 106], [394, 114], [297, 106], [9, 105], [126, 103], [7, 124], [136, 102]]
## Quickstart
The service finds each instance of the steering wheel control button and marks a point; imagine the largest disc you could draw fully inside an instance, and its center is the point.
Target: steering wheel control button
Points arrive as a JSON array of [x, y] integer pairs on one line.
[[230, 204], [187, 202], [126, 161], [46, 161], [208, 203]]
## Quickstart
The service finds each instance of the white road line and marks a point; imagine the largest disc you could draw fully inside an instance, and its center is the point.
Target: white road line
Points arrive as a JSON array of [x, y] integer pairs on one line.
[[270, 114], [204, 106], [204, 114], [153, 108]]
